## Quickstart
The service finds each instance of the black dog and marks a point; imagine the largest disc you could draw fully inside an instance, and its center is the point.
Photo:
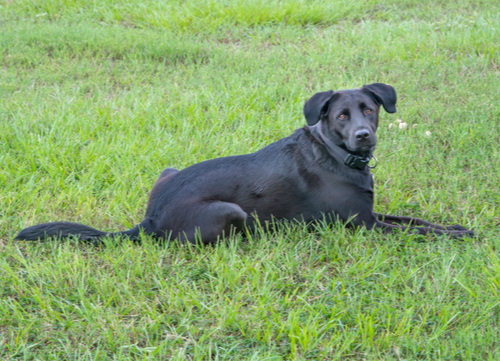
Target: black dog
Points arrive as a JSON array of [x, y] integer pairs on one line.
[[320, 170]]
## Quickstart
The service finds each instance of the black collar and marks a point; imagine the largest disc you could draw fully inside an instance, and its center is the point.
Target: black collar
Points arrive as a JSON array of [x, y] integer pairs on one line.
[[351, 160]]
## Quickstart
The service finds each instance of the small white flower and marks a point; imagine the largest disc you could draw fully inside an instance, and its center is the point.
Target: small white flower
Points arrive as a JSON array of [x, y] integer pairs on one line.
[[427, 133], [399, 121], [403, 125], [391, 125]]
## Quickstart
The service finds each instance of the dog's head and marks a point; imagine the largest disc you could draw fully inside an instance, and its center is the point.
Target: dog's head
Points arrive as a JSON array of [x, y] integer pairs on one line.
[[350, 117]]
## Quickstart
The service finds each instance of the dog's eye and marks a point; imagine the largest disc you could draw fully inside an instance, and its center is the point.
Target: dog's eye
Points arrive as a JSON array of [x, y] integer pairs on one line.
[[368, 111], [342, 116]]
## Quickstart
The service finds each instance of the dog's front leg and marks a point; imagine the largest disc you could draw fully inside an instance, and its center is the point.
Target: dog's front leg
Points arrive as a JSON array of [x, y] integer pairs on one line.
[[423, 230], [410, 221]]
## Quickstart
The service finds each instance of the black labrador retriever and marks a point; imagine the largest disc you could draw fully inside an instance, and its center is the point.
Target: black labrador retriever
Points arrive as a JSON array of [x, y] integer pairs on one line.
[[322, 170]]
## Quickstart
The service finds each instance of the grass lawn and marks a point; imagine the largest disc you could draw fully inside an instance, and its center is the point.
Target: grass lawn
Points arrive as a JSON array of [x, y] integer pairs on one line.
[[97, 97]]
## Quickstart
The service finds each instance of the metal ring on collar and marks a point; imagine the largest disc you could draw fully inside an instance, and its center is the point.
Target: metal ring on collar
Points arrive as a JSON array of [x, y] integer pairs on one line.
[[376, 162]]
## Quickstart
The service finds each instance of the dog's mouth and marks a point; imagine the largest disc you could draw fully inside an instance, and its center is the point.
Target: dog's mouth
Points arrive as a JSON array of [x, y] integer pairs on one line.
[[364, 151]]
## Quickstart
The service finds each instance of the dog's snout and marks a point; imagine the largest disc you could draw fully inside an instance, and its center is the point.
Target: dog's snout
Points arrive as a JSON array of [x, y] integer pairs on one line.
[[362, 134]]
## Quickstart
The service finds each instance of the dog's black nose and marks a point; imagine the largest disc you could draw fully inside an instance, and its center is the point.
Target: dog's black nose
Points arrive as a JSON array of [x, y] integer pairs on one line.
[[362, 134]]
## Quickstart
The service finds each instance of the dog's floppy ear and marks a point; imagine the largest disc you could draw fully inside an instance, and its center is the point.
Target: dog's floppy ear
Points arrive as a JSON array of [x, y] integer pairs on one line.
[[317, 105], [383, 94]]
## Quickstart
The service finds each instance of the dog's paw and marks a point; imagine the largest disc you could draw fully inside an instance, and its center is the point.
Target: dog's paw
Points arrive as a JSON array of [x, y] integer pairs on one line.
[[459, 234]]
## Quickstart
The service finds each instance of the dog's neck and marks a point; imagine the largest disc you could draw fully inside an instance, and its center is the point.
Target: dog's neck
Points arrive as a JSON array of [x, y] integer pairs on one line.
[[343, 155]]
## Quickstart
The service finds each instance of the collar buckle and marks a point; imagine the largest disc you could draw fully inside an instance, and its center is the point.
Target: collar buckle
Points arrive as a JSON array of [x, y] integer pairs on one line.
[[356, 162]]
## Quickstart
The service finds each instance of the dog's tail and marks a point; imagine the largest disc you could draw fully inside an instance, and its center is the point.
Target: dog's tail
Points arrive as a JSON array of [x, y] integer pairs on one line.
[[68, 229]]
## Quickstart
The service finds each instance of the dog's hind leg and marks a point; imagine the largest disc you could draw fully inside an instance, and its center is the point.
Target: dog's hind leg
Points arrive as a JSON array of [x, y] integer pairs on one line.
[[210, 220]]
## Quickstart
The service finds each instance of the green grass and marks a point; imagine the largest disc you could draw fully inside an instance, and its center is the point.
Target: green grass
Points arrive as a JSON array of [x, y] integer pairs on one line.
[[96, 98]]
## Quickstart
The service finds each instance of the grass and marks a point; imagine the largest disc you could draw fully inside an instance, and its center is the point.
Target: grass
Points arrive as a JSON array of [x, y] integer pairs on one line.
[[96, 98]]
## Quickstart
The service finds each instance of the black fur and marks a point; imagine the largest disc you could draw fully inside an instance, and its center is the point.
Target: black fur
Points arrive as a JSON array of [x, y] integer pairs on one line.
[[295, 178]]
